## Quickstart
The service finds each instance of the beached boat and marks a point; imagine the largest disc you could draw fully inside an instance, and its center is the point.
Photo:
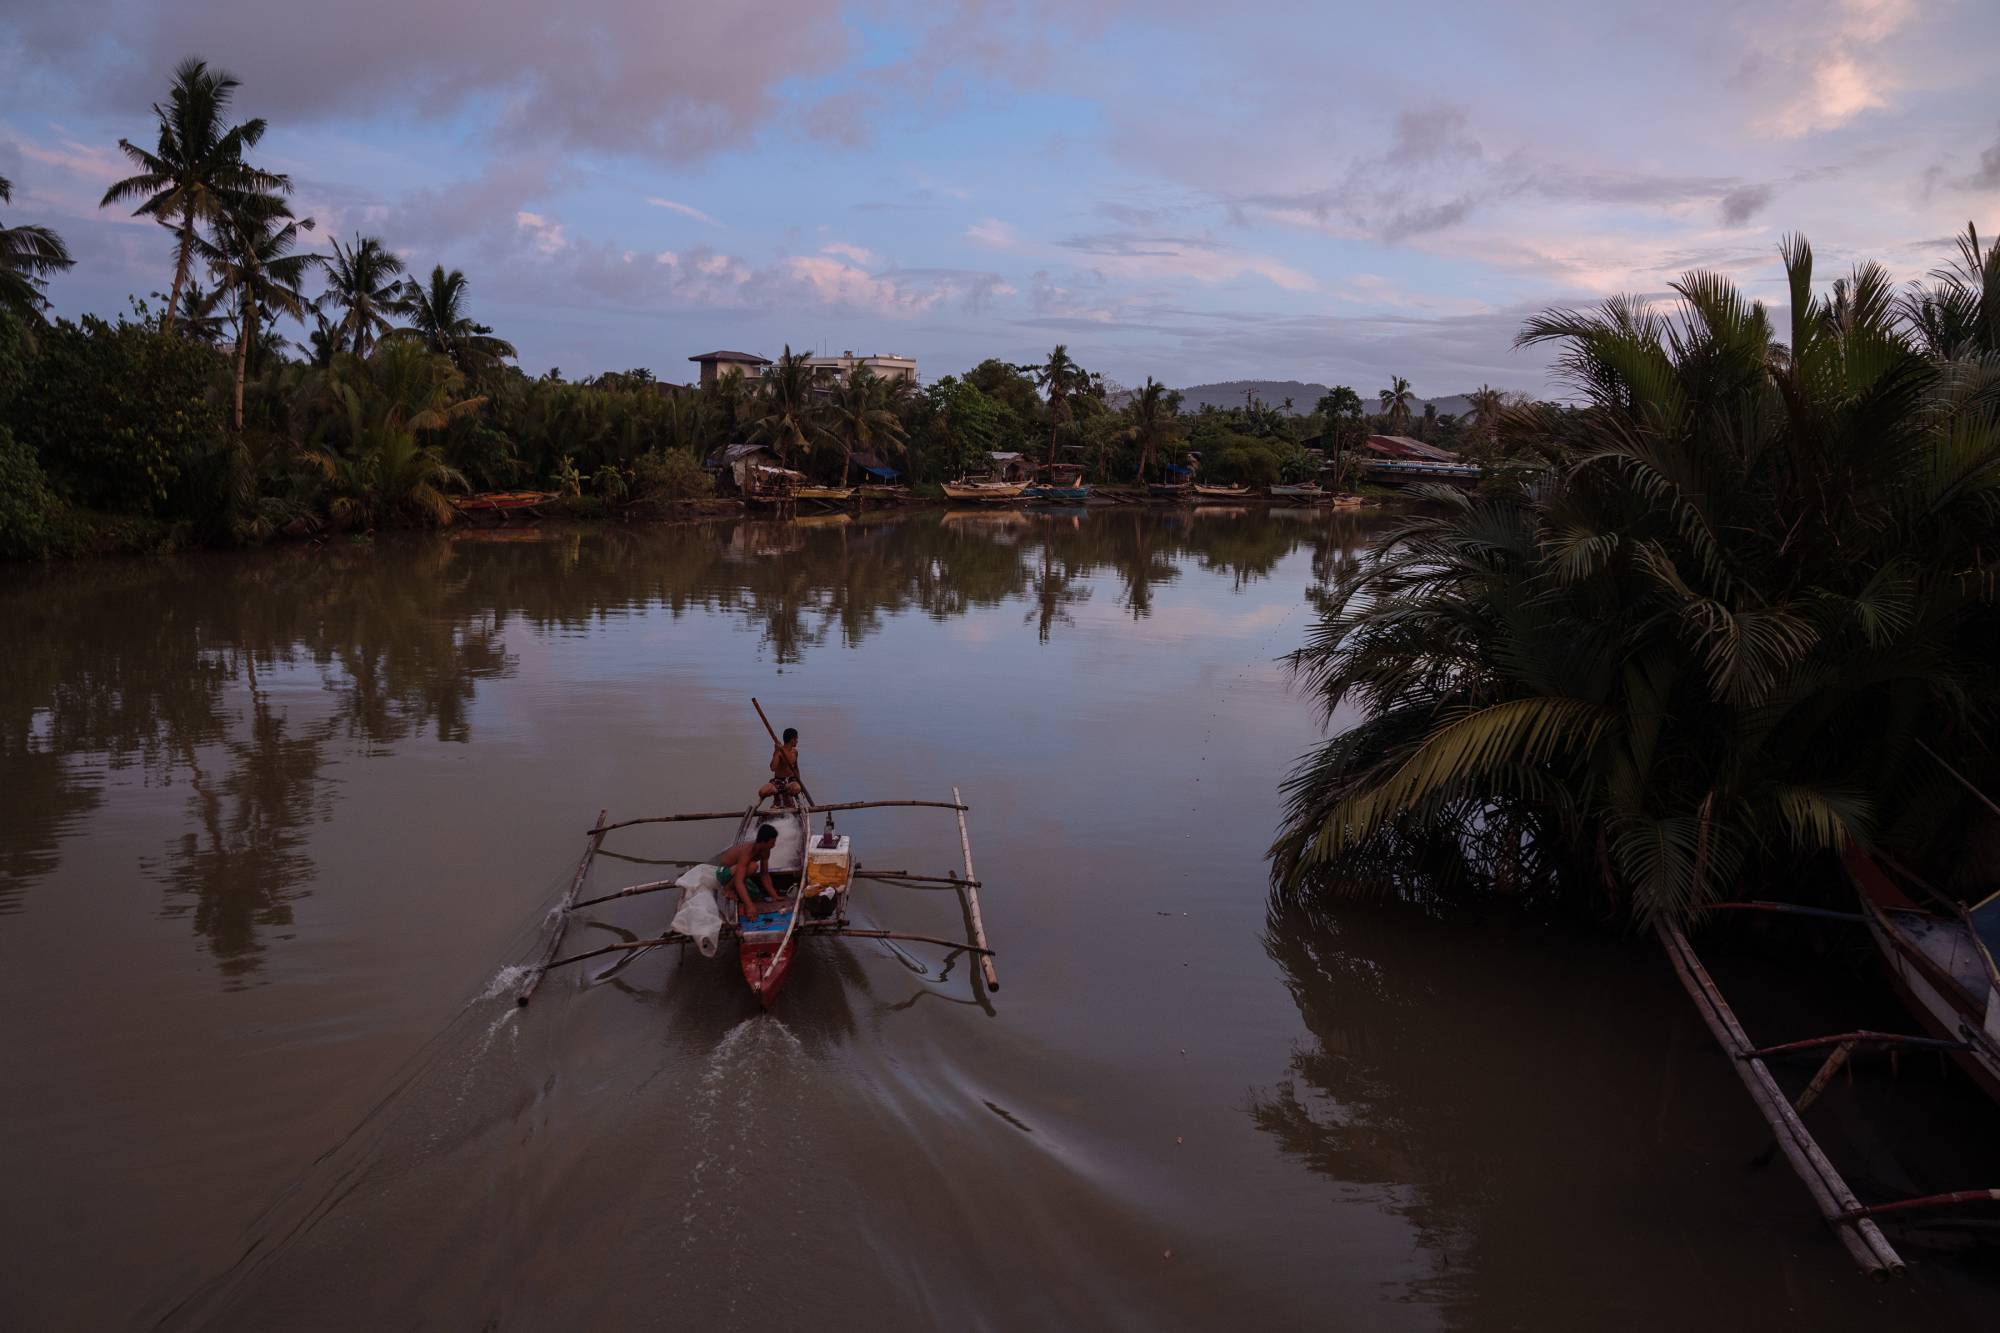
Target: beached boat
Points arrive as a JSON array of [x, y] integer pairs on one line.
[[1169, 490], [813, 875], [1207, 493], [836, 494], [1942, 964], [500, 504], [1063, 485], [985, 492], [1305, 490]]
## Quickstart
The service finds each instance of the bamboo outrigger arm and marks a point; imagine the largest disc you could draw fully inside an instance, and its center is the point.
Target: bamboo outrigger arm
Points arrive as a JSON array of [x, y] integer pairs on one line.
[[541, 969], [971, 891], [1843, 1212], [783, 810]]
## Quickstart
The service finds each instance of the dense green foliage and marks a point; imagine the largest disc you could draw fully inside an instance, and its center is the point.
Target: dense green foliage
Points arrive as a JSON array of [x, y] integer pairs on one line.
[[1706, 645]]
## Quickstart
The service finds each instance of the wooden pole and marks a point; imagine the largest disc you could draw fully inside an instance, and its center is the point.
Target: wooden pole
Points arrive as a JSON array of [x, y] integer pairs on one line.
[[1823, 1077], [972, 897], [668, 938], [807, 809], [921, 939], [1837, 1204], [656, 886], [541, 969], [777, 743], [904, 877]]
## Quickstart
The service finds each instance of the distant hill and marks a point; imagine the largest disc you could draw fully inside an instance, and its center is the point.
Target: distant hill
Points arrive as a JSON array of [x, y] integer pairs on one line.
[[1273, 393]]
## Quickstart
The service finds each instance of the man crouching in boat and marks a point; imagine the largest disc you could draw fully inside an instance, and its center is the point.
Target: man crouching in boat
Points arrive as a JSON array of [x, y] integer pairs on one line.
[[735, 866], [784, 783]]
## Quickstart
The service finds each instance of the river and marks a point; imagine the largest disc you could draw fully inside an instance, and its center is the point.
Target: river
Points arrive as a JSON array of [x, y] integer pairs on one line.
[[280, 827]]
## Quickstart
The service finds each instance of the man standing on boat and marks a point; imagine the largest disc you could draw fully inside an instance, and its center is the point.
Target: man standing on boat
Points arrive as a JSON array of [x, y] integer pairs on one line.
[[735, 866], [784, 783]]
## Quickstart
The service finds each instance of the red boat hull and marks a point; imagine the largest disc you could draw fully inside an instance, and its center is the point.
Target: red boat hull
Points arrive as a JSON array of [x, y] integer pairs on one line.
[[765, 967]]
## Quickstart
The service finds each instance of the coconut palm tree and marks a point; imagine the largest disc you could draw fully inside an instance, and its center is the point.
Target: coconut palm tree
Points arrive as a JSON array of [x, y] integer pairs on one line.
[[1486, 403], [196, 170], [1707, 642], [362, 283], [438, 319], [27, 255], [1396, 403], [1059, 377], [1958, 315], [253, 256], [861, 419], [1154, 413], [788, 420]]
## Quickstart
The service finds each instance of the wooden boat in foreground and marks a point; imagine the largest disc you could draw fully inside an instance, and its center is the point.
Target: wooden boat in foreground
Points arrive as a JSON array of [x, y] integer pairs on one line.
[[985, 492], [1942, 965], [813, 873]]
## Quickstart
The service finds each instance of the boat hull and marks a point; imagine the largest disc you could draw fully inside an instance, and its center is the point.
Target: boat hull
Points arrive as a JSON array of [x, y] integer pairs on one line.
[[984, 494], [1938, 1001], [1297, 492], [1060, 494]]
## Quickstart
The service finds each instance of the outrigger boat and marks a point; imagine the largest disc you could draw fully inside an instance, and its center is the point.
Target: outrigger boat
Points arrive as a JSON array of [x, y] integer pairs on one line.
[[499, 504], [1306, 490], [1942, 966], [986, 492], [813, 874], [1204, 493], [1065, 485]]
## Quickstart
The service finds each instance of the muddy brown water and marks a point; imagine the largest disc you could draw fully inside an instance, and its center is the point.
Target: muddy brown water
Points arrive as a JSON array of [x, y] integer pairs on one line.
[[276, 827]]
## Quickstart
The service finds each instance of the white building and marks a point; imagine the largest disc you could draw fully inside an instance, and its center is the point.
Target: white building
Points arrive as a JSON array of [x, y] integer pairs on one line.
[[836, 369]]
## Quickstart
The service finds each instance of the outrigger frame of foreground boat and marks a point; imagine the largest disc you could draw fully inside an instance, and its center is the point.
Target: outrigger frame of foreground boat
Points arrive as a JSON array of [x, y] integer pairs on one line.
[[813, 873]]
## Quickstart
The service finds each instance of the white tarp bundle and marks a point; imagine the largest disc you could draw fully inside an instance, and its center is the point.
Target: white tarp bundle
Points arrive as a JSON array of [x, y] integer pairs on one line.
[[698, 916]]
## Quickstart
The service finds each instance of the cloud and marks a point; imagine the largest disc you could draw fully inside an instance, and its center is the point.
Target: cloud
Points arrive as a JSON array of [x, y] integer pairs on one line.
[[1136, 255], [671, 81], [546, 236], [853, 252], [1827, 69], [993, 234], [1743, 203], [685, 210], [1986, 176]]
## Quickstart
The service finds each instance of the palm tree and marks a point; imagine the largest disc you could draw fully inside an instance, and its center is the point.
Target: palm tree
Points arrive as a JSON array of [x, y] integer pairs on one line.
[[197, 170], [1154, 411], [438, 319], [27, 254], [362, 283], [382, 410], [253, 257], [785, 394], [1059, 377], [1707, 643], [203, 318], [1958, 316], [1396, 402], [862, 420], [1486, 405]]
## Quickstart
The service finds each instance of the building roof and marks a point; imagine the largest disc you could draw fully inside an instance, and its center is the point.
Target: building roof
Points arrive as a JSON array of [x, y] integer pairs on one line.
[[744, 357], [1402, 446]]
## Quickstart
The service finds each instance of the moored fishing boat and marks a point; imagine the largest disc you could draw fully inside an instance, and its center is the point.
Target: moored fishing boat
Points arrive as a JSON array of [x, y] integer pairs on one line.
[[1305, 490], [832, 493], [1204, 494], [500, 504], [1169, 490], [1941, 963], [1063, 485], [985, 492]]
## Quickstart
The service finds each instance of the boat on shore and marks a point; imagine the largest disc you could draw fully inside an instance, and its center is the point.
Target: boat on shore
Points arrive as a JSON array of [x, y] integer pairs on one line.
[[1064, 485], [985, 492], [812, 874], [1941, 963], [1204, 494], [834, 494], [500, 505], [1304, 490], [1169, 490]]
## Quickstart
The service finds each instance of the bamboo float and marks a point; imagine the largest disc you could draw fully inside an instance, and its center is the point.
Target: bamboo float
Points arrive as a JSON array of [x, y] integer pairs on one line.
[[784, 810], [971, 890], [562, 913], [675, 936], [1836, 1202]]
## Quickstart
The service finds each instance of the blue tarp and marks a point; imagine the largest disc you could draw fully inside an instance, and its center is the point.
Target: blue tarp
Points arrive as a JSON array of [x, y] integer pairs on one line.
[[1176, 471], [885, 473]]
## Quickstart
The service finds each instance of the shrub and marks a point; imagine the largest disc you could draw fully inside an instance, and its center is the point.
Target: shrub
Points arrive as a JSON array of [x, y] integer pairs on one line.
[[671, 474]]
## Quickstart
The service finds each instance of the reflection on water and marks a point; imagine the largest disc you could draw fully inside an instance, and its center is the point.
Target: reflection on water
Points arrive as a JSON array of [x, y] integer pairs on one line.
[[236, 684]]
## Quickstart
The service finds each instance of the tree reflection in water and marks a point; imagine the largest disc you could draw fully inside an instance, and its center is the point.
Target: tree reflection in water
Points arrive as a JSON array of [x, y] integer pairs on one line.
[[188, 668]]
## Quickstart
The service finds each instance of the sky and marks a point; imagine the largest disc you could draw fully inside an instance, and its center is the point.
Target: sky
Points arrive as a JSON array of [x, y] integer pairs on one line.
[[1329, 192]]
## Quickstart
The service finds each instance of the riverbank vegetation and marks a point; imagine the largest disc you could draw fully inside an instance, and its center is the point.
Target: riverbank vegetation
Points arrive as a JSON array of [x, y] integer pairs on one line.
[[193, 419], [1734, 624]]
